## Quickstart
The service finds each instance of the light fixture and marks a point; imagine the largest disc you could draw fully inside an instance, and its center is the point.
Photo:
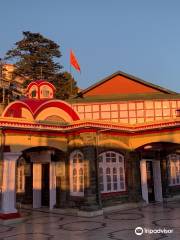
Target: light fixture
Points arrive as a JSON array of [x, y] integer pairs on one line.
[[148, 147]]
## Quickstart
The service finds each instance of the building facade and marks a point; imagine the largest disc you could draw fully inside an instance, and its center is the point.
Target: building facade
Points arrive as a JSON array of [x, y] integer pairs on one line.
[[118, 140]]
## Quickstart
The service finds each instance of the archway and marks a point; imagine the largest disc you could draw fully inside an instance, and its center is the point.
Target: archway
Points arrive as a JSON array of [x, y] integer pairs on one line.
[[155, 169], [39, 173]]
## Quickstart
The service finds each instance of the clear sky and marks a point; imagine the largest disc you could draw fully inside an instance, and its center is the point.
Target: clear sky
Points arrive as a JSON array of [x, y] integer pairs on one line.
[[139, 37]]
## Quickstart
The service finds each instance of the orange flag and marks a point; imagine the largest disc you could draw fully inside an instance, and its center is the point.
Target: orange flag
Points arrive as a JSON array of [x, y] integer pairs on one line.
[[74, 62]]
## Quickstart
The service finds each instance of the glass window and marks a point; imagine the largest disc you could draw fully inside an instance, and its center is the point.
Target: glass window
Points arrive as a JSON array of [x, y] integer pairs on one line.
[[33, 93], [132, 106], [101, 185], [20, 184], [158, 104], [123, 106], [158, 112], [45, 92], [140, 113], [88, 108], [149, 104], [149, 113], [139, 105], [174, 169], [77, 173], [105, 107], [123, 114], [111, 172], [114, 107]]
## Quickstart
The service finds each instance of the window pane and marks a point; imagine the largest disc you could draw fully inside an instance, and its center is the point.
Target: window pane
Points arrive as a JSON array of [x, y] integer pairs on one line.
[[115, 186], [122, 185], [101, 187], [108, 159], [120, 159], [74, 172], [108, 171], [109, 186], [80, 171], [100, 171], [100, 158]]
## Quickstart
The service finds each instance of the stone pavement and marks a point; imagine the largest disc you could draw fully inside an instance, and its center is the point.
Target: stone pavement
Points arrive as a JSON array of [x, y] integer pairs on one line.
[[118, 225]]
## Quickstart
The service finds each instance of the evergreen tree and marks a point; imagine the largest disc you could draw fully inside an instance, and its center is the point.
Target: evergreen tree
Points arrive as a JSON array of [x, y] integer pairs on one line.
[[34, 58], [65, 85]]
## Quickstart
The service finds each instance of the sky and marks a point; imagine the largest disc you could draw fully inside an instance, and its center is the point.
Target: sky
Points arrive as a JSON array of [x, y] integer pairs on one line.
[[139, 37]]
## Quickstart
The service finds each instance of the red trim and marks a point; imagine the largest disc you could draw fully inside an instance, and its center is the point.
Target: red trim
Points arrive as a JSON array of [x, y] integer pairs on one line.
[[60, 105], [35, 133], [36, 106], [6, 216], [16, 107], [39, 83], [74, 129]]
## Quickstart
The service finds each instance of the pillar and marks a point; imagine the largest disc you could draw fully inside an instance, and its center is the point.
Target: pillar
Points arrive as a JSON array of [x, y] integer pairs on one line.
[[37, 185], [91, 189], [133, 176], [8, 194], [52, 185]]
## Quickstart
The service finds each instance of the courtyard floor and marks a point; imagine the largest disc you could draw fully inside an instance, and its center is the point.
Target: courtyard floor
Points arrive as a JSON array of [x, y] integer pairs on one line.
[[119, 225]]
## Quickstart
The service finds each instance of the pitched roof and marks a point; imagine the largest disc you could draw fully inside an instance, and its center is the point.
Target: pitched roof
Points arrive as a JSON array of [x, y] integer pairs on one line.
[[128, 76]]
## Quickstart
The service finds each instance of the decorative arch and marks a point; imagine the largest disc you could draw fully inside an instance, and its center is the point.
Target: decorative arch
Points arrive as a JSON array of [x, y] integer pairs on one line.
[[50, 111], [31, 110], [58, 105], [14, 109], [154, 144], [159, 136]]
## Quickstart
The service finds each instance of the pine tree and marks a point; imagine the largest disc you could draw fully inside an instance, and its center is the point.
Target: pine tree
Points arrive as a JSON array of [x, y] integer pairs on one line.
[[34, 58], [65, 85]]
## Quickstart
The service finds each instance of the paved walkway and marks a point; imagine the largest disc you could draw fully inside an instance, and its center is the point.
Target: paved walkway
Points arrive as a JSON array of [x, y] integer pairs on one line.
[[119, 225]]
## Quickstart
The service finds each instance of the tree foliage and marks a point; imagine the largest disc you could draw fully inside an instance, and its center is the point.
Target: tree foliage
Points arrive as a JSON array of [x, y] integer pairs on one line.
[[36, 58], [65, 85]]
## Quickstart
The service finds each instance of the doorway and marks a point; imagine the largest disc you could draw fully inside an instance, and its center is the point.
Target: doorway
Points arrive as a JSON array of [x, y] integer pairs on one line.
[[151, 185], [45, 185], [150, 181]]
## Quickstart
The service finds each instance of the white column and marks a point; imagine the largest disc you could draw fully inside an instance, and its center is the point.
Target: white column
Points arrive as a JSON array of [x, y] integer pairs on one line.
[[8, 199], [144, 186], [37, 185], [157, 181], [52, 184]]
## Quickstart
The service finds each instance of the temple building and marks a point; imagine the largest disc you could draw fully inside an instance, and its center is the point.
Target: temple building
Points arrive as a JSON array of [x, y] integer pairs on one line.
[[116, 141]]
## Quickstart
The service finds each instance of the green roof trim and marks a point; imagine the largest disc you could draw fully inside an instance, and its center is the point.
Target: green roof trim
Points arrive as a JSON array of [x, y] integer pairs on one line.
[[124, 97], [136, 79]]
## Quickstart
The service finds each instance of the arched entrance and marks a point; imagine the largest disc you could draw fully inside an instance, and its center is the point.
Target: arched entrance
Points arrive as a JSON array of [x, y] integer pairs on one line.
[[155, 169], [37, 178]]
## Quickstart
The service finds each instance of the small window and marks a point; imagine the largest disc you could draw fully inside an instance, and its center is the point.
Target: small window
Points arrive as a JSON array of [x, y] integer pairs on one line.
[[45, 92], [33, 93]]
